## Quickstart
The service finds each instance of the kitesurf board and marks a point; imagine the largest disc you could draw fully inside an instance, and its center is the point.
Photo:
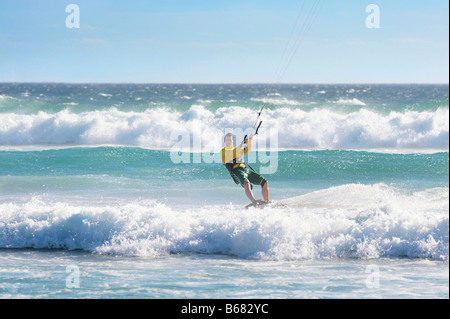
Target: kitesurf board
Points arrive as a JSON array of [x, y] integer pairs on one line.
[[259, 204]]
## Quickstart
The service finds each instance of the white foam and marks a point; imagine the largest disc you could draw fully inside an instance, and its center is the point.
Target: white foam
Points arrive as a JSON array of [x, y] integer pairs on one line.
[[277, 101], [6, 97], [296, 129], [362, 221], [353, 101]]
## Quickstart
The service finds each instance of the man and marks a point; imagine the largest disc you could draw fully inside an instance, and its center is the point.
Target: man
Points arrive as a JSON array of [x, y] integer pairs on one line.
[[233, 159]]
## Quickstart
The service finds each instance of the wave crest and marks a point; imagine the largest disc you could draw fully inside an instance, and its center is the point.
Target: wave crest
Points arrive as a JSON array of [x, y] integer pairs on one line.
[[362, 221], [297, 129]]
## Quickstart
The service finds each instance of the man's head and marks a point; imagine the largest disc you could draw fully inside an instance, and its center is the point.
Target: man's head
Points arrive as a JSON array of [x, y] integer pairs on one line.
[[229, 140]]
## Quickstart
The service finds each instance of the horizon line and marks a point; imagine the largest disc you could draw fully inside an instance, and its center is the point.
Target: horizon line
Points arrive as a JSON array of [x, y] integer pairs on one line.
[[229, 83]]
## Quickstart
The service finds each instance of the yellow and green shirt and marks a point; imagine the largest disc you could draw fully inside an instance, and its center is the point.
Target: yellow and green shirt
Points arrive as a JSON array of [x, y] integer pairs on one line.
[[231, 153]]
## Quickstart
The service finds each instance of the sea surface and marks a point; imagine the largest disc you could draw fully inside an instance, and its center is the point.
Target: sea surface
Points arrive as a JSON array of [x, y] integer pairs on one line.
[[118, 191]]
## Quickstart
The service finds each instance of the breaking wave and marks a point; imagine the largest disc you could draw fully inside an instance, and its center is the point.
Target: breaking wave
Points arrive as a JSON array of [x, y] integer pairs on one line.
[[348, 221], [160, 128]]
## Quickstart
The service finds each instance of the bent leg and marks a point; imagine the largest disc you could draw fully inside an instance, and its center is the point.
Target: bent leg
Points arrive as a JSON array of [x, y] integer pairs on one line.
[[265, 191], [248, 192], [256, 178]]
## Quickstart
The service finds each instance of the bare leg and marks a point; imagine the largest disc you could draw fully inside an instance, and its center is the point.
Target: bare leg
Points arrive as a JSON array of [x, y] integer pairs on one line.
[[265, 191], [248, 192]]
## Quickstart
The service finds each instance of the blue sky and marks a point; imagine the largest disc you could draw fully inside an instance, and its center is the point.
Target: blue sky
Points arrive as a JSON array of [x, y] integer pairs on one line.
[[209, 41]]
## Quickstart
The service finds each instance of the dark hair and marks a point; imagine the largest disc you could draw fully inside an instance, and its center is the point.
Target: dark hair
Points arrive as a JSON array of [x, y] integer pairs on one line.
[[228, 134]]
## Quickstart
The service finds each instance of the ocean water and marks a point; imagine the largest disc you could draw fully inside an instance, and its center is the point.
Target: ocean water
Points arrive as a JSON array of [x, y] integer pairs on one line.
[[117, 191]]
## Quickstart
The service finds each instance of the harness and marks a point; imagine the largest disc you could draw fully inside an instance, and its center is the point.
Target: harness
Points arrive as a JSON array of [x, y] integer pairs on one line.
[[230, 169]]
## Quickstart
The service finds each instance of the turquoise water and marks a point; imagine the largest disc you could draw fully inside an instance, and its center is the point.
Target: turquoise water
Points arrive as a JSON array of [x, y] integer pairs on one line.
[[151, 174], [125, 183], [216, 276]]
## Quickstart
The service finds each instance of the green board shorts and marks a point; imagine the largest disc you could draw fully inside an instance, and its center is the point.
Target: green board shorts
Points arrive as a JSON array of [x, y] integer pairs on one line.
[[244, 175]]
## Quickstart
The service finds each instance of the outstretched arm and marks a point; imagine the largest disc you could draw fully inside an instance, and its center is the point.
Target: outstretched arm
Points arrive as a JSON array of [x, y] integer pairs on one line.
[[249, 144], [230, 154]]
